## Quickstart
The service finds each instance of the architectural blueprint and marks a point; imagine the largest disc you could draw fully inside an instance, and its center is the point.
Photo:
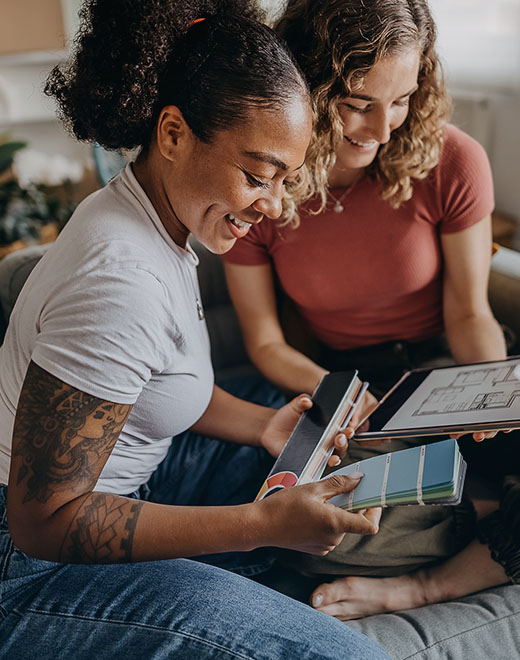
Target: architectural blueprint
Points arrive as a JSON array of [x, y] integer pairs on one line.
[[474, 390], [462, 395]]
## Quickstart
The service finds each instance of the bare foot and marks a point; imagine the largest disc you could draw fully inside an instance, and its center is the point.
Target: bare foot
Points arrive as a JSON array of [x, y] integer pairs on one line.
[[467, 572], [354, 597]]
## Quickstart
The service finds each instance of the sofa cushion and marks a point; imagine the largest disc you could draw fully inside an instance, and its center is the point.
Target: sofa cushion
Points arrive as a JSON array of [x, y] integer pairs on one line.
[[483, 626], [14, 270], [504, 290]]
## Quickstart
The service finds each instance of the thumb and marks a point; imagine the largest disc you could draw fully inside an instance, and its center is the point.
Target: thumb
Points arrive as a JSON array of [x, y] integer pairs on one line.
[[301, 403], [367, 406], [339, 483]]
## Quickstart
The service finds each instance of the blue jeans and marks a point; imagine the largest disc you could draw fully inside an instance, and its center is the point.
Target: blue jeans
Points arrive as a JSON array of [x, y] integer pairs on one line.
[[159, 610], [177, 608]]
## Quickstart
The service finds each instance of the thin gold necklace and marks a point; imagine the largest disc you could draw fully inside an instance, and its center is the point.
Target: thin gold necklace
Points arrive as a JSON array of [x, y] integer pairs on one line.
[[338, 205]]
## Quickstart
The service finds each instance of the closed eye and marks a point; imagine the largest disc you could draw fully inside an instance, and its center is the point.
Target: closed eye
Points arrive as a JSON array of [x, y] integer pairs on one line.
[[354, 108], [253, 181], [362, 111]]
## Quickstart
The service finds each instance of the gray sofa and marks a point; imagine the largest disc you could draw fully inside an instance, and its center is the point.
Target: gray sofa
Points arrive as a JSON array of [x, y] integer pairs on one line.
[[481, 626]]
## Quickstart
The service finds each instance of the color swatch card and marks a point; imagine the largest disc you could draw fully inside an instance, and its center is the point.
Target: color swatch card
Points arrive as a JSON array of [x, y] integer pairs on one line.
[[427, 474]]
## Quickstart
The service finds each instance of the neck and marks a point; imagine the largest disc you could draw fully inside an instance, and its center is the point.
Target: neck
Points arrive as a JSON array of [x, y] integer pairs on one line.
[[149, 177], [340, 177]]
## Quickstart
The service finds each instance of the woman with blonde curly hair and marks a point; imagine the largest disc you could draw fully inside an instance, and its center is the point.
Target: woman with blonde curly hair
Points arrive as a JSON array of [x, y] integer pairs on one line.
[[387, 264]]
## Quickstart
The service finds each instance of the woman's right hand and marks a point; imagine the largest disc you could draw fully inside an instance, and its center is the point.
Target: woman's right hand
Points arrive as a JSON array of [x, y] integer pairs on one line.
[[301, 518]]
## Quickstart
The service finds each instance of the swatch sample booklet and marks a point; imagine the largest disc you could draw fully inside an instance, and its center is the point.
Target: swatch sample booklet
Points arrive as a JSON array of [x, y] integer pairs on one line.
[[311, 443], [427, 474], [459, 399]]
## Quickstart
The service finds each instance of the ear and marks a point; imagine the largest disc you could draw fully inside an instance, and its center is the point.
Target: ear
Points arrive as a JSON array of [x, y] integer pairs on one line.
[[173, 133]]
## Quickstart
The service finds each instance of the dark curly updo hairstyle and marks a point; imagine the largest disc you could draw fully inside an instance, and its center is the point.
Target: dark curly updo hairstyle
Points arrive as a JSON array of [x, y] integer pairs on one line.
[[133, 57], [336, 43]]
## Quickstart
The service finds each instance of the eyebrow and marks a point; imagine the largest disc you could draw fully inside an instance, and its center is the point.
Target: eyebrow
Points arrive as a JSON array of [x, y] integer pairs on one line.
[[363, 97], [267, 158]]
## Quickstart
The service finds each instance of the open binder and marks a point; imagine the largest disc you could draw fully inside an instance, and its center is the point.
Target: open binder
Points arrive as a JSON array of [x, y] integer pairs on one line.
[[311, 443]]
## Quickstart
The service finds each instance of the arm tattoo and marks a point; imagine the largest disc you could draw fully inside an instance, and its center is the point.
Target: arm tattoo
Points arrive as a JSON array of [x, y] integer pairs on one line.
[[95, 536], [63, 437]]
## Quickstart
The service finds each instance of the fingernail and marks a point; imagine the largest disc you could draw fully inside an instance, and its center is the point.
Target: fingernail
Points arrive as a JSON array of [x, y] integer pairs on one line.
[[350, 432], [342, 440], [356, 475], [317, 600], [305, 399]]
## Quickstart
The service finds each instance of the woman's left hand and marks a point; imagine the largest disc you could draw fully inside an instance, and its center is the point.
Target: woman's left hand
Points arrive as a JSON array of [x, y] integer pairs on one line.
[[282, 423]]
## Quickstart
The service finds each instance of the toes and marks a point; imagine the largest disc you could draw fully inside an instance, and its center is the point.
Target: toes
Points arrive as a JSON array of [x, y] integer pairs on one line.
[[327, 594], [340, 611]]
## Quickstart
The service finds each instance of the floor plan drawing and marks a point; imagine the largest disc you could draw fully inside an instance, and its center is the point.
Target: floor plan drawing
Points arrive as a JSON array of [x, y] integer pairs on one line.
[[472, 390]]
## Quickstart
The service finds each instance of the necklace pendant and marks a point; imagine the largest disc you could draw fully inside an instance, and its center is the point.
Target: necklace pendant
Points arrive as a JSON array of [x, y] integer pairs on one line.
[[338, 207]]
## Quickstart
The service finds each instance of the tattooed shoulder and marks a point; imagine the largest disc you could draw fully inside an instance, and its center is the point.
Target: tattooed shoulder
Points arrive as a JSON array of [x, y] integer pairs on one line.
[[62, 436]]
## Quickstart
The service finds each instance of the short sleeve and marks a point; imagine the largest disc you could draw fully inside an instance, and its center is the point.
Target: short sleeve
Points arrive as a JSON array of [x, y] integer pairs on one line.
[[254, 248], [106, 332], [466, 182]]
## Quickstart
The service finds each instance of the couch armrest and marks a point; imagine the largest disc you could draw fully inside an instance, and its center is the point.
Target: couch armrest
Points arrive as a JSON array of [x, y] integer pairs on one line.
[[14, 270], [504, 289]]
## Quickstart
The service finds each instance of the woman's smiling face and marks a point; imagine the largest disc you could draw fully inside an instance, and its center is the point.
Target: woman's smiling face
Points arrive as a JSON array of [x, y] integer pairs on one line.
[[218, 189], [372, 112]]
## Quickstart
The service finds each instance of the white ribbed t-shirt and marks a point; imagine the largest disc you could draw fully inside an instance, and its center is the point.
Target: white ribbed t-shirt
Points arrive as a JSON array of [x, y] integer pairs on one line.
[[111, 309]]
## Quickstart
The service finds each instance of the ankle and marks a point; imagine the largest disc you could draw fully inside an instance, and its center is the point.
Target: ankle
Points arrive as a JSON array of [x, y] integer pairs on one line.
[[431, 587], [404, 592]]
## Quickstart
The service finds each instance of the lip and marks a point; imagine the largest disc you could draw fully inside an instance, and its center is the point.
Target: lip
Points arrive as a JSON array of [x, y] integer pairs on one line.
[[240, 232], [368, 146]]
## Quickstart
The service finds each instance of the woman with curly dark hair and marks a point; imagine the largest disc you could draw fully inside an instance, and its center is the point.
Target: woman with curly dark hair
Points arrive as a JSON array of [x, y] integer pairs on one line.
[[106, 358], [388, 266]]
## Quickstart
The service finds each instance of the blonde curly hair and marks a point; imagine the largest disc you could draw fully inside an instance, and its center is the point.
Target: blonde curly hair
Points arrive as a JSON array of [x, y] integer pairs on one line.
[[336, 43]]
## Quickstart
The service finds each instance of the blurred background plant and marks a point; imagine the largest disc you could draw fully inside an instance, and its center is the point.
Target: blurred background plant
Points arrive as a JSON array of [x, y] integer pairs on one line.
[[36, 194]]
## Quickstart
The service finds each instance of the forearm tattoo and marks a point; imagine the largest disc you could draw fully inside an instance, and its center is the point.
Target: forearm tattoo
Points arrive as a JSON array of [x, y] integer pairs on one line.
[[102, 531], [63, 438]]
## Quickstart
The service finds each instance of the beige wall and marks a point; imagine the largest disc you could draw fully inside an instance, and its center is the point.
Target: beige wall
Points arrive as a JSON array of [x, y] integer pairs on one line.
[[27, 25]]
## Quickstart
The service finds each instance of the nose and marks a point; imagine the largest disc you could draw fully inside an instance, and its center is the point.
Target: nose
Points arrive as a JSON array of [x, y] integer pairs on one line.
[[270, 202], [380, 125]]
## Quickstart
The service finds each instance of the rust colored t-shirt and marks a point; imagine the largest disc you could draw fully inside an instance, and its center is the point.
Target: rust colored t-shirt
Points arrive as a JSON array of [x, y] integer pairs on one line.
[[373, 273]]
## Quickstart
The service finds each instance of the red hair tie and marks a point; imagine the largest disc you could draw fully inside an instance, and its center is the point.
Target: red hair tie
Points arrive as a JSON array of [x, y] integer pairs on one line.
[[192, 23]]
